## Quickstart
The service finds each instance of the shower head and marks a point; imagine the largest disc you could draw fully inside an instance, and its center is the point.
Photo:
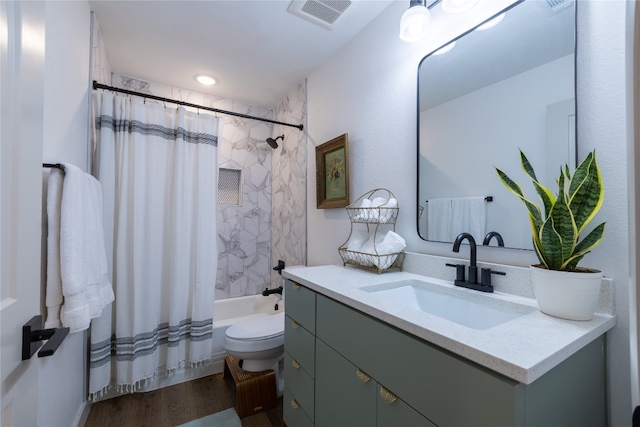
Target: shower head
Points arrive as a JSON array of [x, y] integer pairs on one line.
[[273, 142]]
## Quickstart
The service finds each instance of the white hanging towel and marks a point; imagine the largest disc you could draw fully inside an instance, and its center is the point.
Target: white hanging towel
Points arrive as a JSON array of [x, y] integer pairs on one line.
[[53, 297], [439, 220], [469, 214], [83, 263]]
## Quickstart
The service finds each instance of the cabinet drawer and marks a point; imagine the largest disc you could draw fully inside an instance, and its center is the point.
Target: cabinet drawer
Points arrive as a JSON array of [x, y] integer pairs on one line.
[[300, 344], [441, 386], [301, 305], [345, 396], [294, 415], [394, 412], [299, 383]]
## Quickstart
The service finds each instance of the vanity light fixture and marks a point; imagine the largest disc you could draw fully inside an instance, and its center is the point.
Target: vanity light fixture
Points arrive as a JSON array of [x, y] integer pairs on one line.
[[416, 22], [205, 80], [457, 6], [490, 24]]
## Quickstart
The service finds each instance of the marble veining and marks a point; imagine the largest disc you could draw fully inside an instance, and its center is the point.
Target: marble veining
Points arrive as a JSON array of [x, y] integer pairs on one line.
[[289, 163]]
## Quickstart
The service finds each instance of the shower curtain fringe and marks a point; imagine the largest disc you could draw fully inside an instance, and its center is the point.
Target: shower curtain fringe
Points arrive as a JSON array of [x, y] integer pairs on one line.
[[97, 85]]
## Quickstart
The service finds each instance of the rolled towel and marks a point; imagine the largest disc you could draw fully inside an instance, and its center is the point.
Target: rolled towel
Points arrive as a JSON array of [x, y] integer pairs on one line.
[[391, 245], [371, 245], [361, 215], [357, 239], [387, 211], [378, 201], [374, 214]]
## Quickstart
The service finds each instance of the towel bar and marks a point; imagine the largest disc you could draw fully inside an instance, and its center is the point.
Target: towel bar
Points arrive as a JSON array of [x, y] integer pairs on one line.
[[33, 333], [486, 199], [54, 165]]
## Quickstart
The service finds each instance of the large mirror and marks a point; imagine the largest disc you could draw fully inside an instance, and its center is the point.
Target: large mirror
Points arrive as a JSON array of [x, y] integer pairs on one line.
[[499, 89]]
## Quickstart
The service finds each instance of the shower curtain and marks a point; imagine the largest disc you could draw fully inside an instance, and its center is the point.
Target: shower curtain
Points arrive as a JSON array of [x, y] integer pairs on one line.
[[158, 170]]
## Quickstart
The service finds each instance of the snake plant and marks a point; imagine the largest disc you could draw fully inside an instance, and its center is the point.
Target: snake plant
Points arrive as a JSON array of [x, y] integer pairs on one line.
[[556, 231]]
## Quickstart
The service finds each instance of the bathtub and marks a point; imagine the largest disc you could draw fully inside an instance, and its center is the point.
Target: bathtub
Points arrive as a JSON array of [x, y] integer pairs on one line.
[[226, 312]]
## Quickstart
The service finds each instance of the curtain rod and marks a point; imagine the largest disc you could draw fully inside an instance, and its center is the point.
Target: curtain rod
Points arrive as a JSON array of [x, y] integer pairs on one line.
[[97, 85]]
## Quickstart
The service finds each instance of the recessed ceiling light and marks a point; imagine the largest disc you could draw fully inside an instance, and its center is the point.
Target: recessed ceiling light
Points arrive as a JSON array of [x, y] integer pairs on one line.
[[205, 80]]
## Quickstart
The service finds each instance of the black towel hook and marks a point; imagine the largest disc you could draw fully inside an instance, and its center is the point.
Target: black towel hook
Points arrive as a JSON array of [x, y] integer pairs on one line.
[[33, 333]]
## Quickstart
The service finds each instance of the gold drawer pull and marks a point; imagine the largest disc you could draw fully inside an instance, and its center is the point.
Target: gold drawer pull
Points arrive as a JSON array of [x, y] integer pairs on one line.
[[295, 325], [362, 376], [295, 364], [387, 396], [294, 404], [296, 286]]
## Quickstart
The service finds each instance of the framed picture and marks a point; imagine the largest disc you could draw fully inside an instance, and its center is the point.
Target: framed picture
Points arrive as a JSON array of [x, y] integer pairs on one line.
[[332, 173]]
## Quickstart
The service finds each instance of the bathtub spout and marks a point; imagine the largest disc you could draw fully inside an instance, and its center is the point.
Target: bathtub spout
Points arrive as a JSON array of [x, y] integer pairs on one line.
[[268, 291]]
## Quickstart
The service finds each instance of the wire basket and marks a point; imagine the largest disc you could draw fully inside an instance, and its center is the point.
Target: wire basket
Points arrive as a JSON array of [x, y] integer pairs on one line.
[[373, 217], [377, 263], [386, 213]]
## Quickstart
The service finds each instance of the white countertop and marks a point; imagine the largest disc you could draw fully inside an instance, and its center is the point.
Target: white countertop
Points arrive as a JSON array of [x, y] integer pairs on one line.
[[523, 349]]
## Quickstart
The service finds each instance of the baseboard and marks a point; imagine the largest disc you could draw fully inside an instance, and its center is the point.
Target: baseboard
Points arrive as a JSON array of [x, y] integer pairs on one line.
[[83, 414]]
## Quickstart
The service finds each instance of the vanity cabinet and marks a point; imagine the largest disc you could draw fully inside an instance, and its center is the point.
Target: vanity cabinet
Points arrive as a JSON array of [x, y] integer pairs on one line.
[[299, 355], [348, 396], [357, 360]]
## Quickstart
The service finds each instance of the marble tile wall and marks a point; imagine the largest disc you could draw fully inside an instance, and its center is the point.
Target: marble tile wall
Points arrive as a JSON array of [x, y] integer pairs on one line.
[[289, 164]]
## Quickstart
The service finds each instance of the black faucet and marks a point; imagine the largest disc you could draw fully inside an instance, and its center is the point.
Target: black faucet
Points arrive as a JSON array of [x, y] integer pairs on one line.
[[490, 235], [473, 269], [268, 291], [485, 282]]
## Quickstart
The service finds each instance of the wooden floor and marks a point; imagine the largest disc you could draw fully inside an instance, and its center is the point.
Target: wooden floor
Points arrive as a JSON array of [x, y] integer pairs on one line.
[[175, 405]]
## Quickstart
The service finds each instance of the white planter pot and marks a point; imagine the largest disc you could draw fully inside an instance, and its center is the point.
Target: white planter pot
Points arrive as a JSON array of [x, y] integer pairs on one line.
[[568, 295]]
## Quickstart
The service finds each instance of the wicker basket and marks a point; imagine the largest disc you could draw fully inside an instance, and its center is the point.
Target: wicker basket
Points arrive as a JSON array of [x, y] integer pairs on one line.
[[373, 218]]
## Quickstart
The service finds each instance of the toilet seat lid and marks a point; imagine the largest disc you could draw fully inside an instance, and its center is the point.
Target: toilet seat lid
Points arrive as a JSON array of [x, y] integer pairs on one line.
[[257, 328]]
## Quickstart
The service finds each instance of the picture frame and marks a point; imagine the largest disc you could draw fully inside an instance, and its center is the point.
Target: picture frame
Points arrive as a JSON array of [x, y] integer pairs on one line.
[[332, 173]]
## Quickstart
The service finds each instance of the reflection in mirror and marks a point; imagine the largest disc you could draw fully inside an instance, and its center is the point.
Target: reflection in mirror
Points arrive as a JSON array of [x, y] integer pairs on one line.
[[498, 90]]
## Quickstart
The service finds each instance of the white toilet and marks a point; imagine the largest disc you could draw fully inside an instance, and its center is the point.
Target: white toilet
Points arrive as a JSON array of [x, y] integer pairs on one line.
[[259, 343]]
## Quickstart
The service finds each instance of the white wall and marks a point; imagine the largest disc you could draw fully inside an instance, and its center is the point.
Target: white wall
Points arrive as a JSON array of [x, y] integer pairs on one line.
[[602, 126], [494, 116], [67, 51], [368, 89]]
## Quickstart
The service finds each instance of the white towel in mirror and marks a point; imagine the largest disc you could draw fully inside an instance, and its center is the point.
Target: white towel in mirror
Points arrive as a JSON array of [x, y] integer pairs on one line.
[[439, 220], [469, 214]]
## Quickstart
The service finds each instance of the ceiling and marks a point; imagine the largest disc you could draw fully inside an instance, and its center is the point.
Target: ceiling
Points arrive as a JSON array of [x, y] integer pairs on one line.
[[255, 49]]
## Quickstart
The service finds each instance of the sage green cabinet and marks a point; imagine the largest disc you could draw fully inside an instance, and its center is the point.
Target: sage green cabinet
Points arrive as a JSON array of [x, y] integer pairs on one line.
[[452, 391], [293, 413], [346, 368], [348, 396], [299, 356]]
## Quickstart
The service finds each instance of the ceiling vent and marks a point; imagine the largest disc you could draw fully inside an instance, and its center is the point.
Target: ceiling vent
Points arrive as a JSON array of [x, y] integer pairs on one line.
[[558, 5], [320, 12]]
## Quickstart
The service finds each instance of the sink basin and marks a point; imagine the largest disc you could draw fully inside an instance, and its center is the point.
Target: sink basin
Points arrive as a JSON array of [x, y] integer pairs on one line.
[[473, 311]]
